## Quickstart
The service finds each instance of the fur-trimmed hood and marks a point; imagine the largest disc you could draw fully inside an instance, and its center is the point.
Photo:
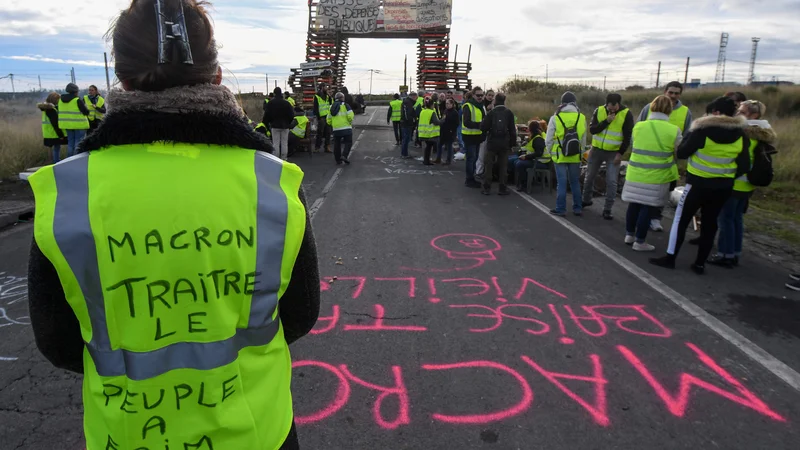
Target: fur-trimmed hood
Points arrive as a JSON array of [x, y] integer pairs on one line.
[[731, 123], [44, 106], [761, 131], [201, 114]]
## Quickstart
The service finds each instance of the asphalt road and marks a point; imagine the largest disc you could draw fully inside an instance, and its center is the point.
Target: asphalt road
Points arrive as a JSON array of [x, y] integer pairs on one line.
[[454, 320]]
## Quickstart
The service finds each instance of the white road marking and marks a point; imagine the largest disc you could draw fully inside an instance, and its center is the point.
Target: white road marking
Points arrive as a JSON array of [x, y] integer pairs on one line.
[[756, 353], [312, 212]]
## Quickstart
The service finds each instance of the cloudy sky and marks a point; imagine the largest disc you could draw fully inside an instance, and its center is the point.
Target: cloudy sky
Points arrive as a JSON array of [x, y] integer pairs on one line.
[[622, 40]]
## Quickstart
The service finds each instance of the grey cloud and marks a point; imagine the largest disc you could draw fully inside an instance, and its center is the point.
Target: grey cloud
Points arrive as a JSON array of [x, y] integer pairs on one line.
[[18, 16]]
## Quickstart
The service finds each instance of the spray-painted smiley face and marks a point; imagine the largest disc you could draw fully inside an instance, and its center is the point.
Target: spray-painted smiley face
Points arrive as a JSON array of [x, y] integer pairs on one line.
[[466, 246]]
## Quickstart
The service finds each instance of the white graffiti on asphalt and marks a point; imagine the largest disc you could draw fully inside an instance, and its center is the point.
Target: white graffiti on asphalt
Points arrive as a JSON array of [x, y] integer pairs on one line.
[[13, 290]]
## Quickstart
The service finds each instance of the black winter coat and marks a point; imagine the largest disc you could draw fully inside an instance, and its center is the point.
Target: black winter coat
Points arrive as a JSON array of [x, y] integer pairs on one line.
[[449, 128], [278, 113]]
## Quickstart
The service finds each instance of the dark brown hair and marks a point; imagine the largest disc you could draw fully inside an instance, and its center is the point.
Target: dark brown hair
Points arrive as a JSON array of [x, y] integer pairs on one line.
[[134, 37]]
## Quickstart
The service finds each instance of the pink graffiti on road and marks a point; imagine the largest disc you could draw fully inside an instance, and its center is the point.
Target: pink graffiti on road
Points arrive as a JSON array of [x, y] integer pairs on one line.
[[473, 249], [520, 394]]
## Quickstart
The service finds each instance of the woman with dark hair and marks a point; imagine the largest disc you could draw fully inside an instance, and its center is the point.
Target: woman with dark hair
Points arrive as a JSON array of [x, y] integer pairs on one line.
[[429, 128], [534, 156], [173, 258], [52, 134], [448, 130]]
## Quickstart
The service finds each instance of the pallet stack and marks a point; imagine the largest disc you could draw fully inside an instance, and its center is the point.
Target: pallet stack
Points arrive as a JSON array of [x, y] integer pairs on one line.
[[435, 71]]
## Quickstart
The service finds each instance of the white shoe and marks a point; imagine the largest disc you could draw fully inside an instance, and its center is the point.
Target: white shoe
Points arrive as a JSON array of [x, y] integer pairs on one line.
[[643, 247], [655, 225], [629, 239]]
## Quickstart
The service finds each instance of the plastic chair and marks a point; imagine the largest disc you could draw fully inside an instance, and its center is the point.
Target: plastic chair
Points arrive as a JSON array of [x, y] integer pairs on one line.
[[543, 176]]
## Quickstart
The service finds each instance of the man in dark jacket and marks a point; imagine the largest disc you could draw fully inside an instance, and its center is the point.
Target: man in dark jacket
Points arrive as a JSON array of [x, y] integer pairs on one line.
[[718, 151], [501, 132], [323, 130], [278, 115], [408, 121], [472, 139], [608, 122]]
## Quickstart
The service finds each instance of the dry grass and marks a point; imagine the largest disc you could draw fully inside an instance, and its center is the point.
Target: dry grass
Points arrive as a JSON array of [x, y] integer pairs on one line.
[[21, 145]]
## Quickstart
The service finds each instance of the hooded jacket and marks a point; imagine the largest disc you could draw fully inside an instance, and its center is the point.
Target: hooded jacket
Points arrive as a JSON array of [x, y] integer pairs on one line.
[[722, 130], [278, 113], [201, 114], [686, 126], [66, 98], [51, 112], [550, 140], [408, 113], [761, 131], [469, 122]]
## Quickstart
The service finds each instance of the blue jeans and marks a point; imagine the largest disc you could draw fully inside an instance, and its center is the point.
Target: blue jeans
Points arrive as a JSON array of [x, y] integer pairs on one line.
[[471, 151], [449, 147], [460, 137], [56, 153], [731, 228], [408, 132], [74, 137], [637, 221], [568, 173]]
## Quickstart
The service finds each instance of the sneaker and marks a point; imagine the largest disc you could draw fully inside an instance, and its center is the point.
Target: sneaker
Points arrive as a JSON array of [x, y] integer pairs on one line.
[[721, 261], [397, 143], [700, 270], [338, 163], [694, 241], [795, 276], [472, 184], [607, 215], [503, 191], [655, 225], [666, 261], [427, 163], [520, 188], [346, 161], [794, 286], [486, 191], [643, 247], [578, 213], [586, 204], [629, 239], [557, 213]]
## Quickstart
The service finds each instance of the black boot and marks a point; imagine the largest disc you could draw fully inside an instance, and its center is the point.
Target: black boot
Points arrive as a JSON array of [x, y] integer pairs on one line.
[[667, 261]]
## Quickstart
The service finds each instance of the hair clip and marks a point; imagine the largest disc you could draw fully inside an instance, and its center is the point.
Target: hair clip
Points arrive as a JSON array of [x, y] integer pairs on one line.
[[170, 31]]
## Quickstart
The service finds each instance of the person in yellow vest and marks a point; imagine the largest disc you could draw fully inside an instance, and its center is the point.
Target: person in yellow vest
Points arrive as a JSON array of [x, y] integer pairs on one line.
[[611, 127], [418, 105], [718, 153], [651, 170], [73, 117], [288, 96], [471, 118], [731, 219], [53, 136], [322, 107], [340, 120], [429, 123], [535, 154], [566, 140], [299, 129], [96, 105], [682, 118], [173, 265], [393, 116]]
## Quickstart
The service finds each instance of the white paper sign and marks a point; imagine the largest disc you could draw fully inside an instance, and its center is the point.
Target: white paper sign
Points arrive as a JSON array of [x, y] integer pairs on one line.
[[348, 16], [416, 14]]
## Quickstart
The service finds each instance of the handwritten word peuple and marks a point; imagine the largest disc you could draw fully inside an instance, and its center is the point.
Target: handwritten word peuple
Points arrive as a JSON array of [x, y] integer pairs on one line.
[[519, 390]]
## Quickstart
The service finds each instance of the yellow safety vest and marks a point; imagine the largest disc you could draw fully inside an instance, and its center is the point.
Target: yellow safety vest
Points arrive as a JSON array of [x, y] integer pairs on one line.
[[545, 158], [477, 116], [420, 101], [70, 116], [48, 130], [742, 184], [427, 130], [396, 106], [300, 129], [93, 113], [343, 120], [176, 286], [715, 160], [324, 106], [610, 139], [653, 156], [677, 117], [291, 101], [569, 118]]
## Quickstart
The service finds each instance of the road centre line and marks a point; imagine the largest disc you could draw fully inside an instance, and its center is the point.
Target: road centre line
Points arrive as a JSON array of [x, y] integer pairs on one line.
[[312, 212], [756, 353]]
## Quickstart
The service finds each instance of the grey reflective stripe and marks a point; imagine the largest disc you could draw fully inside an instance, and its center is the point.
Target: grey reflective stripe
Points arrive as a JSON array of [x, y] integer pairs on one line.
[[60, 119], [649, 166], [271, 238], [713, 159], [657, 154], [73, 234], [699, 166], [743, 178], [613, 133]]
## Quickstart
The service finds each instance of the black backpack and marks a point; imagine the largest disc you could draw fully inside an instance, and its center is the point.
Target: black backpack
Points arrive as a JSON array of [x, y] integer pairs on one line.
[[498, 133], [571, 145], [761, 173]]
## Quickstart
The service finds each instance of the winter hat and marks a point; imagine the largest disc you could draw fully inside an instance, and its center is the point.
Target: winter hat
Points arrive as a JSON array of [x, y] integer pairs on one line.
[[725, 105], [568, 97], [277, 91], [613, 99], [72, 88]]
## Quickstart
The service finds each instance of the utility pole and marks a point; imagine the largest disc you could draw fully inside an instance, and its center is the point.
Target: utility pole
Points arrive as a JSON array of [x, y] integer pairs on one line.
[[108, 81], [604, 82], [267, 91], [405, 68], [72, 74], [40, 82], [546, 73], [658, 74], [686, 74], [371, 72], [13, 90]]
